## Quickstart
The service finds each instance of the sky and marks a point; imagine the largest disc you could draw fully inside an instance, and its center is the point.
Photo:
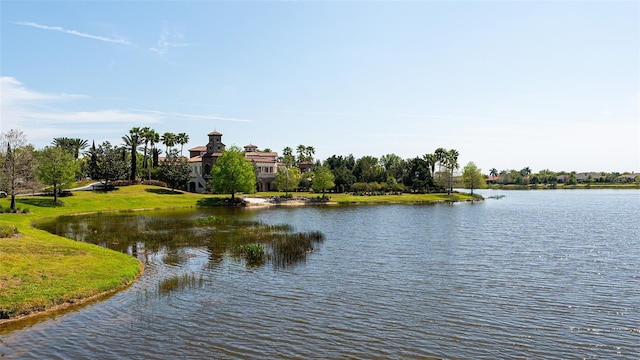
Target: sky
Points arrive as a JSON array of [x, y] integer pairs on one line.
[[509, 84]]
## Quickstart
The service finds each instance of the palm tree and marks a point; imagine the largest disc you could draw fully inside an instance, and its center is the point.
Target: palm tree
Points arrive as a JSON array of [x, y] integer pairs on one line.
[[452, 162], [309, 151], [77, 145], [154, 138], [133, 140], [441, 157], [182, 139], [301, 153], [431, 160], [493, 172], [169, 140], [144, 134]]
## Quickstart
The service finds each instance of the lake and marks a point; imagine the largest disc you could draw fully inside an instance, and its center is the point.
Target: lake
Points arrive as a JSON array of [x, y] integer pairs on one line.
[[535, 274]]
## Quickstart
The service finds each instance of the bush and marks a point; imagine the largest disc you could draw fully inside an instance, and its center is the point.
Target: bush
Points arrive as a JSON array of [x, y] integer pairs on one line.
[[7, 231], [155, 183]]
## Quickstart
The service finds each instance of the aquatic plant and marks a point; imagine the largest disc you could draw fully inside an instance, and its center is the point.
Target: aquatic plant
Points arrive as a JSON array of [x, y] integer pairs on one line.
[[179, 282]]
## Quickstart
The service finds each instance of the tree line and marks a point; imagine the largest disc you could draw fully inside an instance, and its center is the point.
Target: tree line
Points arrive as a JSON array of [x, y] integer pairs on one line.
[[68, 160]]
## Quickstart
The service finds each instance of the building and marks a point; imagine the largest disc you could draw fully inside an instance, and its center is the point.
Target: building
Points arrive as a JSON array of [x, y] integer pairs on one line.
[[203, 158]]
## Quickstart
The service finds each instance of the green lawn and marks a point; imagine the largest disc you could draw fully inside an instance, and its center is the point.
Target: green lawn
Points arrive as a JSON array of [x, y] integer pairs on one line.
[[39, 270]]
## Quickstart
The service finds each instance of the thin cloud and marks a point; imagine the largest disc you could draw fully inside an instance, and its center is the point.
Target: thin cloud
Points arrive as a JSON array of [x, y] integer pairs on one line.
[[32, 111], [191, 116], [169, 39], [73, 32]]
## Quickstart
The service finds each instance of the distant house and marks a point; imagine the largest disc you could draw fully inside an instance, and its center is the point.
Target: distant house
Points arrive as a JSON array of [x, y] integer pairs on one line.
[[492, 179], [203, 158]]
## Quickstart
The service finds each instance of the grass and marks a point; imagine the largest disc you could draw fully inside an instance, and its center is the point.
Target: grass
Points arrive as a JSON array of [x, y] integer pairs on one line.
[[379, 199], [39, 270]]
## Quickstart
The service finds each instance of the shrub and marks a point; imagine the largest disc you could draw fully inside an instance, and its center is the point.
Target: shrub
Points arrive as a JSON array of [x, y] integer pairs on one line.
[[154, 183], [7, 231]]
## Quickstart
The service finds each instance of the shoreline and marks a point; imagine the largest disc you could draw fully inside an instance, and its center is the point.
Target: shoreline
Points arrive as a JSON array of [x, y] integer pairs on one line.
[[136, 198], [68, 305]]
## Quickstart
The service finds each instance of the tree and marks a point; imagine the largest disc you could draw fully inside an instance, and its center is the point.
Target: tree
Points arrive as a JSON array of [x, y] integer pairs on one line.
[[182, 138], [169, 140], [431, 161], [322, 180], [441, 158], [145, 133], [493, 172], [132, 141], [452, 164], [301, 150], [233, 173], [110, 163], [287, 179], [93, 161], [367, 169], [394, 166], [175, 170], [18, 163], [72, 145], [472, 177], [287, 157], [56, 167], [154, 138]]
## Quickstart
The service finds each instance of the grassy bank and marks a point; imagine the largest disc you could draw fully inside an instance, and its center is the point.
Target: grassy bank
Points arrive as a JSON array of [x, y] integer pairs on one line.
[[41, 271], [378, 199], [594, 186]]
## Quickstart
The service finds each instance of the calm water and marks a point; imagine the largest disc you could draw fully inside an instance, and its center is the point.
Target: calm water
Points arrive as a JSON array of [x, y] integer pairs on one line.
[[538, 274]]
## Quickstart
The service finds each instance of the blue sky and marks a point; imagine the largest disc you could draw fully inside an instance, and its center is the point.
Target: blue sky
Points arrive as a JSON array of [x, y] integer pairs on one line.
[[509, 84]]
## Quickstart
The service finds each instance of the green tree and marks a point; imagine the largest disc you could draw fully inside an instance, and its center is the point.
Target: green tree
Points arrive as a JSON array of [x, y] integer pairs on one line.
[[93, 161], [394, 167], [472, 177], [182, 138], [18, 163], [493, 172], [132, 141], [169, 141], [287, 179], [110, 163], [368, 169], [56, 167], [287, 157], [452, 164], [233, 173], [322, 180], [73, 145], [441, 158], [175, 170]]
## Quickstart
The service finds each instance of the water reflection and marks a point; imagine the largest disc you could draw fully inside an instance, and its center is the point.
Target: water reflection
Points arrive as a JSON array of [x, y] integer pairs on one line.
[[170, 234]]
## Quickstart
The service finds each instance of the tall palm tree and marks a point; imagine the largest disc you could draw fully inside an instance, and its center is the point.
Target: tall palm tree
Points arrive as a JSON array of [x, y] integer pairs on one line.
[[441, 157], [154, 138], [493, 172], [431, 161], [301, 153], [452, 162], [133, 140], [182, 139], [169, 140], [144, 134], [309, 151]]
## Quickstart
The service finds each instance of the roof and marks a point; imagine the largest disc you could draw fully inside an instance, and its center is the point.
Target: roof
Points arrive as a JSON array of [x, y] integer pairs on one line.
[[195, 159], [250, 146], [214, 133], [199, 148]]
